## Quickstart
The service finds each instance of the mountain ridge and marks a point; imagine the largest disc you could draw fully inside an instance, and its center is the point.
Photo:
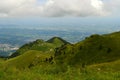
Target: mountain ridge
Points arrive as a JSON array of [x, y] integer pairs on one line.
[[41, 45], [92, 50], [95, 58]]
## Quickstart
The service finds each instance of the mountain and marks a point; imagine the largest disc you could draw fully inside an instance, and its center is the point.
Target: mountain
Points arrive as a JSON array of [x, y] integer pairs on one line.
[[57, 41], [41, 45], [95, 58], [92, 50]]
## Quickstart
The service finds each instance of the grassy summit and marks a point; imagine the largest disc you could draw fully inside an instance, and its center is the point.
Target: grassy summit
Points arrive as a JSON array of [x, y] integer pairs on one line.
[[41, 45], [57, 40]]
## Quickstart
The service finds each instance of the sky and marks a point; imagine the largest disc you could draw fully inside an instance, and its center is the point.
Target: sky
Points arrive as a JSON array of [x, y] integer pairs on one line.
[[60, 11], [58, 8]]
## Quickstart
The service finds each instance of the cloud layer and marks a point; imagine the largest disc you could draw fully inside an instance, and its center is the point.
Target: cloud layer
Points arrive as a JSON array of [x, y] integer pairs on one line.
[[57, 8]]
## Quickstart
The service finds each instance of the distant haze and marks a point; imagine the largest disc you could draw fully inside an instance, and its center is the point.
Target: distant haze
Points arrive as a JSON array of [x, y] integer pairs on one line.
[[81, 15], [108, 24]]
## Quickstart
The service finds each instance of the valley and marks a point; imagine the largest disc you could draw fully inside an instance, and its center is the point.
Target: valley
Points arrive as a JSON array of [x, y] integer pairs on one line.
[[14, 38]]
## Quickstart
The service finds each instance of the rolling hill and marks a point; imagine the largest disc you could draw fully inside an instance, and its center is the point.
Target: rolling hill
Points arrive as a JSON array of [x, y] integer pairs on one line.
[[95, 58], [29, 59], [41, 45], [92, 50]]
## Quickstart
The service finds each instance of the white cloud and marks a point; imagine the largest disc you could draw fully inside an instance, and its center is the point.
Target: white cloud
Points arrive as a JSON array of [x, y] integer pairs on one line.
[[74, 8], [113, 5], [56, 8]]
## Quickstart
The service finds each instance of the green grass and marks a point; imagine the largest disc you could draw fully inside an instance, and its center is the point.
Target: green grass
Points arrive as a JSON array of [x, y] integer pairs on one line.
[[95, 58], [40, 45], [106, 67], [28, 59], [55, 72], [92, 50]]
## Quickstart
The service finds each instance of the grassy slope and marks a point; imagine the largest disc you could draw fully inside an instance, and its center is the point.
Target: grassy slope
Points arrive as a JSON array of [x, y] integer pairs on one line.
[[98, 55], [113, 66], [34, 53], [103, 71], [40, 45], [28, 59], [92, 50]]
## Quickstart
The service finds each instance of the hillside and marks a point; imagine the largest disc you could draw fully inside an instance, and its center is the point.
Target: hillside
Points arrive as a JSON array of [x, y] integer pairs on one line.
[[113, 66], [41, 45], [92, 50], [28, 59], [95, 58]]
